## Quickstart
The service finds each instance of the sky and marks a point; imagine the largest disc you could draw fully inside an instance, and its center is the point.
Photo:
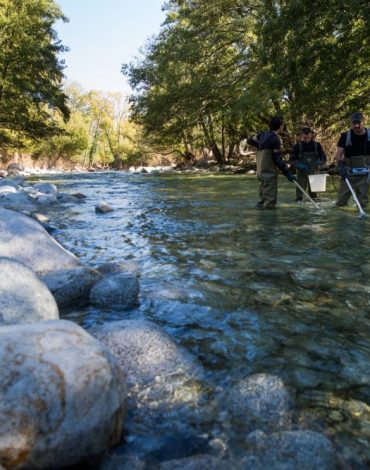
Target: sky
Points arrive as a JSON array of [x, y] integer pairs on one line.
[[104, 34]]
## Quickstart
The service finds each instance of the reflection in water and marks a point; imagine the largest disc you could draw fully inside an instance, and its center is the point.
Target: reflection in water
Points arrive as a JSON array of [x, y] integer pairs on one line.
[[247, 291]]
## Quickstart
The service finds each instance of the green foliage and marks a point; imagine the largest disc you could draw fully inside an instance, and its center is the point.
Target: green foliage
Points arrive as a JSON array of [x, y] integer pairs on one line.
[[30, 72], [97, 133], [219, 69], [66, 145]]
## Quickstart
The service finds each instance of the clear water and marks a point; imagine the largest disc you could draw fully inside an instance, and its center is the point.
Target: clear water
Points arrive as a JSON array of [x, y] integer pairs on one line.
[[284, 292]]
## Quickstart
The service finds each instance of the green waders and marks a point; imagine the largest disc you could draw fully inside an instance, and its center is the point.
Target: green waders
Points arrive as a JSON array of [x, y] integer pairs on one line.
[[267, 174], [360, 183], [309, 159]]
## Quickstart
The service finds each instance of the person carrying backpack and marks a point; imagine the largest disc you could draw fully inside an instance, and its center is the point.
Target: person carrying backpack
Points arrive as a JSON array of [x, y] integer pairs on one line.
[[353, 161], [307, 157]]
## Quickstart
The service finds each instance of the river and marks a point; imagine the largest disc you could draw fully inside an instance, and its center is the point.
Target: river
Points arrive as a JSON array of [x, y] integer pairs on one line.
[[246, 291]]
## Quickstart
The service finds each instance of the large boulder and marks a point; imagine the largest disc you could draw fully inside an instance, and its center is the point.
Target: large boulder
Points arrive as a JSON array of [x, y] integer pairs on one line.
[[14, 168], [158, 369], [23, 297], [18, 201], [165, 390], [62, 396], [27, 241], [118, 291], [71, 286]]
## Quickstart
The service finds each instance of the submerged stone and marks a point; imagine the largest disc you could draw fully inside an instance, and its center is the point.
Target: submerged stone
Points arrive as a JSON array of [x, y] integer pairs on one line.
[[117, 291], [260, 401], [292, 450]]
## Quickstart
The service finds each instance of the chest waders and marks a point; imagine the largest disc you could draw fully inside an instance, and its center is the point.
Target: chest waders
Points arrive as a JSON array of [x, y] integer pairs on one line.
[[359, 162], [308, 158], [267, 174], [358, 173]]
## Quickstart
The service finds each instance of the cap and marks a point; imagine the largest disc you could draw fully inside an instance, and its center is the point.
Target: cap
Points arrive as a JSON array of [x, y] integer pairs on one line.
[[306, 130], [357, 116]]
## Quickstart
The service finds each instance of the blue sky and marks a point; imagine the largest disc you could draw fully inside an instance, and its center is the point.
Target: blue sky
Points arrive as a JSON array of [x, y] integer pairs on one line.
[[103, 34]]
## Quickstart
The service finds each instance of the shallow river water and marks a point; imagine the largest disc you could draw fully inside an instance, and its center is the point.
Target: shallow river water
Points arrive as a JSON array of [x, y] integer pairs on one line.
[[285, 292]]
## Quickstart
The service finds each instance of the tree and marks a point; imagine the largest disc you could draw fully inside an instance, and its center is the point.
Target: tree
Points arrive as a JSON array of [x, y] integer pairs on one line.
[[68, 145], [220, 68], [31, 91]]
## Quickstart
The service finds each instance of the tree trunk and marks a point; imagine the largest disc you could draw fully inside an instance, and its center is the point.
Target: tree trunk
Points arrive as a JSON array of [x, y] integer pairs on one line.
[[208, 133], [93, 147], [117, 162]]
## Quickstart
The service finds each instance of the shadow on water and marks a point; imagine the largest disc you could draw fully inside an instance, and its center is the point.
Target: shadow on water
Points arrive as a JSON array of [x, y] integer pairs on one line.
[[246, 291]]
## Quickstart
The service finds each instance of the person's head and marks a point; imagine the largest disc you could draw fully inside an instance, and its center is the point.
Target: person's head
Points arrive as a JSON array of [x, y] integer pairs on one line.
[[276, 124], [357, 122], [306, 134]]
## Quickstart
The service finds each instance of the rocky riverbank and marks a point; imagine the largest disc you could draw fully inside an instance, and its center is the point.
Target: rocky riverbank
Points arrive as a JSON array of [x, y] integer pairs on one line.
[[67, 395]]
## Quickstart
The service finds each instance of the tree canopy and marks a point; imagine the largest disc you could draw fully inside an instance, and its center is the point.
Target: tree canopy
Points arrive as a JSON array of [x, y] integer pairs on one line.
[[31, 73], [219, 68], [98, 132]]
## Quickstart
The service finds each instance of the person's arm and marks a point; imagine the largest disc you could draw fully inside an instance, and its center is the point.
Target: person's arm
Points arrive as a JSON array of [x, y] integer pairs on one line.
[[340, 148], [279, 162], [342, 170], [321, 153], [253, 140], [339, 155], [295, 154]]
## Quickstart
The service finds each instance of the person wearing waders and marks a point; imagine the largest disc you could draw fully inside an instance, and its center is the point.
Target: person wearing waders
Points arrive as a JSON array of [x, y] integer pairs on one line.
[[353, 161], [307, 157], [269, 160]]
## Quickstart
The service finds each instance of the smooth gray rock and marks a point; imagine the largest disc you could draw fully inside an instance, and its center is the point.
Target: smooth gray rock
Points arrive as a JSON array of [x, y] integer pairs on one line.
[[14, 168], [47, 188], [128, 267], [292, 450], [79, 196], [46, 199], [19, 201], [6, 189], [62, 393], [9, 182], [160, 373], [25, 240], [118, 291], [66, 198], [145, 350], [103, 208], [23, 297], [16, 181], [110, 268], [71, 286], [260, 401]]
